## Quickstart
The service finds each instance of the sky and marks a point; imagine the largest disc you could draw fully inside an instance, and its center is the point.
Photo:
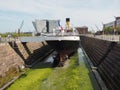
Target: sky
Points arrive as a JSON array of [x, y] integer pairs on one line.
[[89, 13]]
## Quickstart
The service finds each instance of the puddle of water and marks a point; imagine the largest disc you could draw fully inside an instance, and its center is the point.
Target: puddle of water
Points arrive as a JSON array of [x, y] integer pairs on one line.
[[50, 58], [80, 55]]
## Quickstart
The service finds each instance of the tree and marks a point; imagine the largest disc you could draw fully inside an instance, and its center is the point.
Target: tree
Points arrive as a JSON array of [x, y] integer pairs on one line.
[[108, 30]]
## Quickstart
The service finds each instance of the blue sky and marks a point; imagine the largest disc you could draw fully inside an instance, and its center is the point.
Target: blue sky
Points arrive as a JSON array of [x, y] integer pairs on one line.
[[82, 12]]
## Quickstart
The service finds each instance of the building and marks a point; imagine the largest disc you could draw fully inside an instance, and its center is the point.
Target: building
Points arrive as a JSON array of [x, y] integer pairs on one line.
[[112, 27], [45, 26], [82, 30], [113, 24]]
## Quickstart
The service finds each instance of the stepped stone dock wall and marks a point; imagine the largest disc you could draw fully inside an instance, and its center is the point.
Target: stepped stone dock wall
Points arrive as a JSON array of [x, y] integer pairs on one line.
[[105, 56], [14, 56]]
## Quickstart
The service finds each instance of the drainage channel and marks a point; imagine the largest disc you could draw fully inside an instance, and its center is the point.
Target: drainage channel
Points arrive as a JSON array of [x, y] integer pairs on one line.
[[93, 70]]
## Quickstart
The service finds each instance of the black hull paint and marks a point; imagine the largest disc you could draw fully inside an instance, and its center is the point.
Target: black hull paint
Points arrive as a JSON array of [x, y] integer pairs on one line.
[[65, 46]]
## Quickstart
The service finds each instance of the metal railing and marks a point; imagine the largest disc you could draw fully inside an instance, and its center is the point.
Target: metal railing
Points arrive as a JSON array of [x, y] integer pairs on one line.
[[115, 38]]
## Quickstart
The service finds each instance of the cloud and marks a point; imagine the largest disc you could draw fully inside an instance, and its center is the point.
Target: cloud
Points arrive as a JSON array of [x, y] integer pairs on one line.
[[39, 6], [81, 12]]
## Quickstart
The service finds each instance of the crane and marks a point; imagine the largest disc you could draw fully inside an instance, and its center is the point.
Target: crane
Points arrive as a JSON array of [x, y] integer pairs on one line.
[[19, 29], [97, 27]]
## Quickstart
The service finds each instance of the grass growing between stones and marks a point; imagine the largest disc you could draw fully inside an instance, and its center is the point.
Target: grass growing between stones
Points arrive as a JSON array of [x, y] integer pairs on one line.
[[73, 77], [10, 74]]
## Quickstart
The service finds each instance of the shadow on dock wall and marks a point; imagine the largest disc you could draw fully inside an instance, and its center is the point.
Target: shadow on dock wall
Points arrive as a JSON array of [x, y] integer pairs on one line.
[[105, 55], [14, 55], [30, 52]]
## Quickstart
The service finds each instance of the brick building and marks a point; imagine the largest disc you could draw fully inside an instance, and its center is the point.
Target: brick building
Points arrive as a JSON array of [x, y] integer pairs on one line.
[[82, 30]]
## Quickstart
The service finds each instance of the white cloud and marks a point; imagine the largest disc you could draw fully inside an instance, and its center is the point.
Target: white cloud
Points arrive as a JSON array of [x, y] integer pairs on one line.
[[81, 12]]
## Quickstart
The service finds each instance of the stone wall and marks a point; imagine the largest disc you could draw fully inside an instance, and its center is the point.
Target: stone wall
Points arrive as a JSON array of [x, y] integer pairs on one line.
[[8, 59], [14, 56], [22, 50], [32, 46], [105, 56], [35, 50]]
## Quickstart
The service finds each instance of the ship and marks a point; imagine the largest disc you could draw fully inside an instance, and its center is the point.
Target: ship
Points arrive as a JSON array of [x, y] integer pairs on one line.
[[64, 41]]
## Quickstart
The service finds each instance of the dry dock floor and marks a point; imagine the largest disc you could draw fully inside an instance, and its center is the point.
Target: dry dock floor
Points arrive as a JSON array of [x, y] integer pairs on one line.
[[75, 75]]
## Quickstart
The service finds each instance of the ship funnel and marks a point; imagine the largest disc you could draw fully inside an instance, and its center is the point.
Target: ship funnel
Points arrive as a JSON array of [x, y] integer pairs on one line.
[[68, 23]]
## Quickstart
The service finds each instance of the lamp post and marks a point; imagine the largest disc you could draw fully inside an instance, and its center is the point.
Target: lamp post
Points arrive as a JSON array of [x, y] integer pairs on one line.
[[103, 29], [115, 24]]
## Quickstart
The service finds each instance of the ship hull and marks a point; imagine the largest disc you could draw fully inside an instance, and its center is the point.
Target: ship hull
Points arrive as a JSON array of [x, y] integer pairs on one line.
[[64, 48], [63, 45]]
